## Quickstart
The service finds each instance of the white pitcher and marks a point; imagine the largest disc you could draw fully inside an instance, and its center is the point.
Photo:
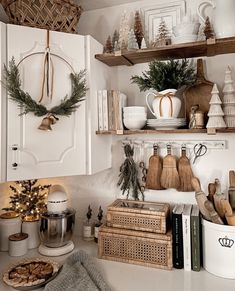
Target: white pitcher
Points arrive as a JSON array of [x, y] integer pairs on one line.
[[223, 17], [165, 105]]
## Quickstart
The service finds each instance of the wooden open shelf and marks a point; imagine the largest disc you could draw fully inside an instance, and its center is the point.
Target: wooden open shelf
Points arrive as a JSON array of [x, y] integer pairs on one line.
[[180, 51], [174, 131]]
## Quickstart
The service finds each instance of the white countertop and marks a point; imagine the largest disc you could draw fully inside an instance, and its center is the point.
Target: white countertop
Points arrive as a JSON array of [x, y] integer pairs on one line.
[[126, 277]]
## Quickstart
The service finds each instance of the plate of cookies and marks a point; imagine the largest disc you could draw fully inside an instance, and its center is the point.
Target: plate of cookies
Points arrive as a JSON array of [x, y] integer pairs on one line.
[[31, 273]]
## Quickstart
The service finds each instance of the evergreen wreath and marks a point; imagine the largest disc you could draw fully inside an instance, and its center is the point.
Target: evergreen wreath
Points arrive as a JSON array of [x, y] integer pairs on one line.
[[25, 102]]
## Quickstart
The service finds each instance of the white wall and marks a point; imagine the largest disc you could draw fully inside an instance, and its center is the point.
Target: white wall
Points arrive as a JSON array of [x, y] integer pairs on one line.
[[101, 189]]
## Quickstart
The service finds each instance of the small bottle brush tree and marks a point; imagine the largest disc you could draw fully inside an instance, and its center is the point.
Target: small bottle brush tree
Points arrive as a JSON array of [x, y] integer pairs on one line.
[[138, 28], [208, 30], [28, 199], [164, 75], [163, 37], [124, 31], [108, 49], [132, 42], [115, 38]]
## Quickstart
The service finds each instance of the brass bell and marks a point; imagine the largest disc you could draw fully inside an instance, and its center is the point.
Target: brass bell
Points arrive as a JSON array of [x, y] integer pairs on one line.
[[46, 124]]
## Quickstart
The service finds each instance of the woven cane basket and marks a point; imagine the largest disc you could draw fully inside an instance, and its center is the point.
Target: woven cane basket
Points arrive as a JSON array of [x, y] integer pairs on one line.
[[58, 15]]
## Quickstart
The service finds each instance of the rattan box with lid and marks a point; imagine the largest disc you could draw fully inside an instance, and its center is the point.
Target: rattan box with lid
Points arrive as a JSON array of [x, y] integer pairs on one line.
[[138, 215], [135, 247]]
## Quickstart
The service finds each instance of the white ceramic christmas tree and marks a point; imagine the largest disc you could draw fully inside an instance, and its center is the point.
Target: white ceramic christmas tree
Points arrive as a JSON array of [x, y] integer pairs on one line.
[[124, 31], [229, 99], [216, 114], [132, 41], [143, 44]]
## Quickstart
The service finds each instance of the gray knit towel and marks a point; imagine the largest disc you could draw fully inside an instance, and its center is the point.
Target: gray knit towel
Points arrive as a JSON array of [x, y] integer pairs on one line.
[[78, 274]]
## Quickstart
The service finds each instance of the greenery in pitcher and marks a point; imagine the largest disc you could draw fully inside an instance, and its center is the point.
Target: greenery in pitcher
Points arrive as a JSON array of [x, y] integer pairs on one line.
[[166, 75]]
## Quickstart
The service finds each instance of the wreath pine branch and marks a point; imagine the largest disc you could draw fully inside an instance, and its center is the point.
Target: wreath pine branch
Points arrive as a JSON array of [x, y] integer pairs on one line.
[[67, 106]]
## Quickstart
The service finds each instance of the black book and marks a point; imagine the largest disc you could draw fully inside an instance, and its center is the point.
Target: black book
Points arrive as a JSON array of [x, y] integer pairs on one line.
[[177, 237]]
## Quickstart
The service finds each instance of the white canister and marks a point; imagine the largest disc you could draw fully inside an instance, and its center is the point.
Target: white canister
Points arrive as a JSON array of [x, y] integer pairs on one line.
[[18, 244], [219, 249], [32, 229], [10, 223]]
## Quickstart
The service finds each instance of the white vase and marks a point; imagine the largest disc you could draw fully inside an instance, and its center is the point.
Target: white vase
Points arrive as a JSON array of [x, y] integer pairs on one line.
[[165, 105], [32, 229]]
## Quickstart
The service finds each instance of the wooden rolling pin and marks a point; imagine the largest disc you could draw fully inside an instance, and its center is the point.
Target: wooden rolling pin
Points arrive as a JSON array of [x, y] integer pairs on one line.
[[200, 198]]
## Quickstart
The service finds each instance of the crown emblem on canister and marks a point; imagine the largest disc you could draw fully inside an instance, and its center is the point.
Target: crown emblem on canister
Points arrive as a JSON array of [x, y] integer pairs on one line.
[[226, 242]]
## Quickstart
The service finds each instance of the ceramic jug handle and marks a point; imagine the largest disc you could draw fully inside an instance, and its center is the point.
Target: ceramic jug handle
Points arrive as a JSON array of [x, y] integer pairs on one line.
[[205, 3], [147, 102]]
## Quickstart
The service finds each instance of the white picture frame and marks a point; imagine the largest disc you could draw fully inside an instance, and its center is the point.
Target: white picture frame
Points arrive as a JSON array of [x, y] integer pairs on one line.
[[171, 12]]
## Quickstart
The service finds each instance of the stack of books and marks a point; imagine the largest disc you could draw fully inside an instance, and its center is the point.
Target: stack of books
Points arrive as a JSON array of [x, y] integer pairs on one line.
[[110, 113], [186, 231]]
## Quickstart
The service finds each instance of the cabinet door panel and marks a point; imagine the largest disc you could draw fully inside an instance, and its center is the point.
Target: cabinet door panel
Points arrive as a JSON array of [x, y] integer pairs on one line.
[[2, 105], [62, 151]]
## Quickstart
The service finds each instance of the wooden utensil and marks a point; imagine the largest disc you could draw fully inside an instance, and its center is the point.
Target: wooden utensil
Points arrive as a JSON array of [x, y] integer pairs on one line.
[[170, 176], [200, 198], [185, 172], [154, 171], [230, 217], [211, 192], [231, 190], [214, 216], [218, 197], [199, 93]]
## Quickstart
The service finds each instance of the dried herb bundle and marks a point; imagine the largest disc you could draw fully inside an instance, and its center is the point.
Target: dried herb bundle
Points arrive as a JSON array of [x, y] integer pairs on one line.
[[128, 177]]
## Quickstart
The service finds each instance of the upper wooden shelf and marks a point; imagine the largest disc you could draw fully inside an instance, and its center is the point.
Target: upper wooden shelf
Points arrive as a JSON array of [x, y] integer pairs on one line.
[[173, 131], [180, 51]]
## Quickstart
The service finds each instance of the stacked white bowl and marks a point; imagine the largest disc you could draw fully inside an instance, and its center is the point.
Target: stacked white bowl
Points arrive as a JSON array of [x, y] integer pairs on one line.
[[134, 117]]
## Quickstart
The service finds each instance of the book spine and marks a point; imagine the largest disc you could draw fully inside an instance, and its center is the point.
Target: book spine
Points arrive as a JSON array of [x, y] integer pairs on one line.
[[115, 110], [105, 110], [186, 242], [196, 243], [177, 233], [100, 110], [110, 109]]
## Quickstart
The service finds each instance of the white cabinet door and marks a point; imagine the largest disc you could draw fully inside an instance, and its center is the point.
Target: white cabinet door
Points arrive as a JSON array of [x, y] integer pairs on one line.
[[99, 76], [2, 104], [37, 153]]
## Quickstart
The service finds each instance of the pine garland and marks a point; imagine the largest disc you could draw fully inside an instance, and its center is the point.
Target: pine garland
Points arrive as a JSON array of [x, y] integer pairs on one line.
[[165, 75], [128, 177], [25, 102]]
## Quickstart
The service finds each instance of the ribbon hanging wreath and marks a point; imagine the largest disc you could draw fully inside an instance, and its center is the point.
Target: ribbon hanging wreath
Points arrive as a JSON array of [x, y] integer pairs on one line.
[[67, 106]]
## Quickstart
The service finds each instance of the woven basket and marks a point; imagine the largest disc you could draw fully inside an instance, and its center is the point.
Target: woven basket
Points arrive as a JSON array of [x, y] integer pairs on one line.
[[58, 15]]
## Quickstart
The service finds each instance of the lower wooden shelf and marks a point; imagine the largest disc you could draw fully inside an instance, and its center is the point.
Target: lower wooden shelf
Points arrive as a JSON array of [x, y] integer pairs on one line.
[[173, 131]]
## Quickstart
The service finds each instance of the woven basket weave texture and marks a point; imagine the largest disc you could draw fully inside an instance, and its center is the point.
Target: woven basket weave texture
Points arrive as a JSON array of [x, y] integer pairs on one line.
[[57, 15]]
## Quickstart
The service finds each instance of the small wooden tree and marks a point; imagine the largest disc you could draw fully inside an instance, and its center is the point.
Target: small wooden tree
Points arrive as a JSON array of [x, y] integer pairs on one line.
[[216, 114], [108, 49], [138, 28], [208, 30]]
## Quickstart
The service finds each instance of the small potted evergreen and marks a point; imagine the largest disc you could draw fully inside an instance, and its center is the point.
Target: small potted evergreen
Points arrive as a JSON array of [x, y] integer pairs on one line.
[[165, 78]]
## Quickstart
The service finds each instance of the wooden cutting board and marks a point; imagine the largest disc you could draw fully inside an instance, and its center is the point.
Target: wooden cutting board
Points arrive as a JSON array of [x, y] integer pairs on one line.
[[199, 93]]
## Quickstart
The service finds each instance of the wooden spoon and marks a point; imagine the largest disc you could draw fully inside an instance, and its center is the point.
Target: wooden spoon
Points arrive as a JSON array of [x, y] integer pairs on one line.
[[211, 191], [213, 214], [230, 217], [200, 198]]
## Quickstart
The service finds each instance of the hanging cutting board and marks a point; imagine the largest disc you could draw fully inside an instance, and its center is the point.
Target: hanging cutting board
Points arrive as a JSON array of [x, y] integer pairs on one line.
[[199, 93]]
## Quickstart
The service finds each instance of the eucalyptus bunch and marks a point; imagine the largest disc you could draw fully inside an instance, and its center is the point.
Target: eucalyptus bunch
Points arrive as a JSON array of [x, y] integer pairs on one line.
[[171, 74]]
